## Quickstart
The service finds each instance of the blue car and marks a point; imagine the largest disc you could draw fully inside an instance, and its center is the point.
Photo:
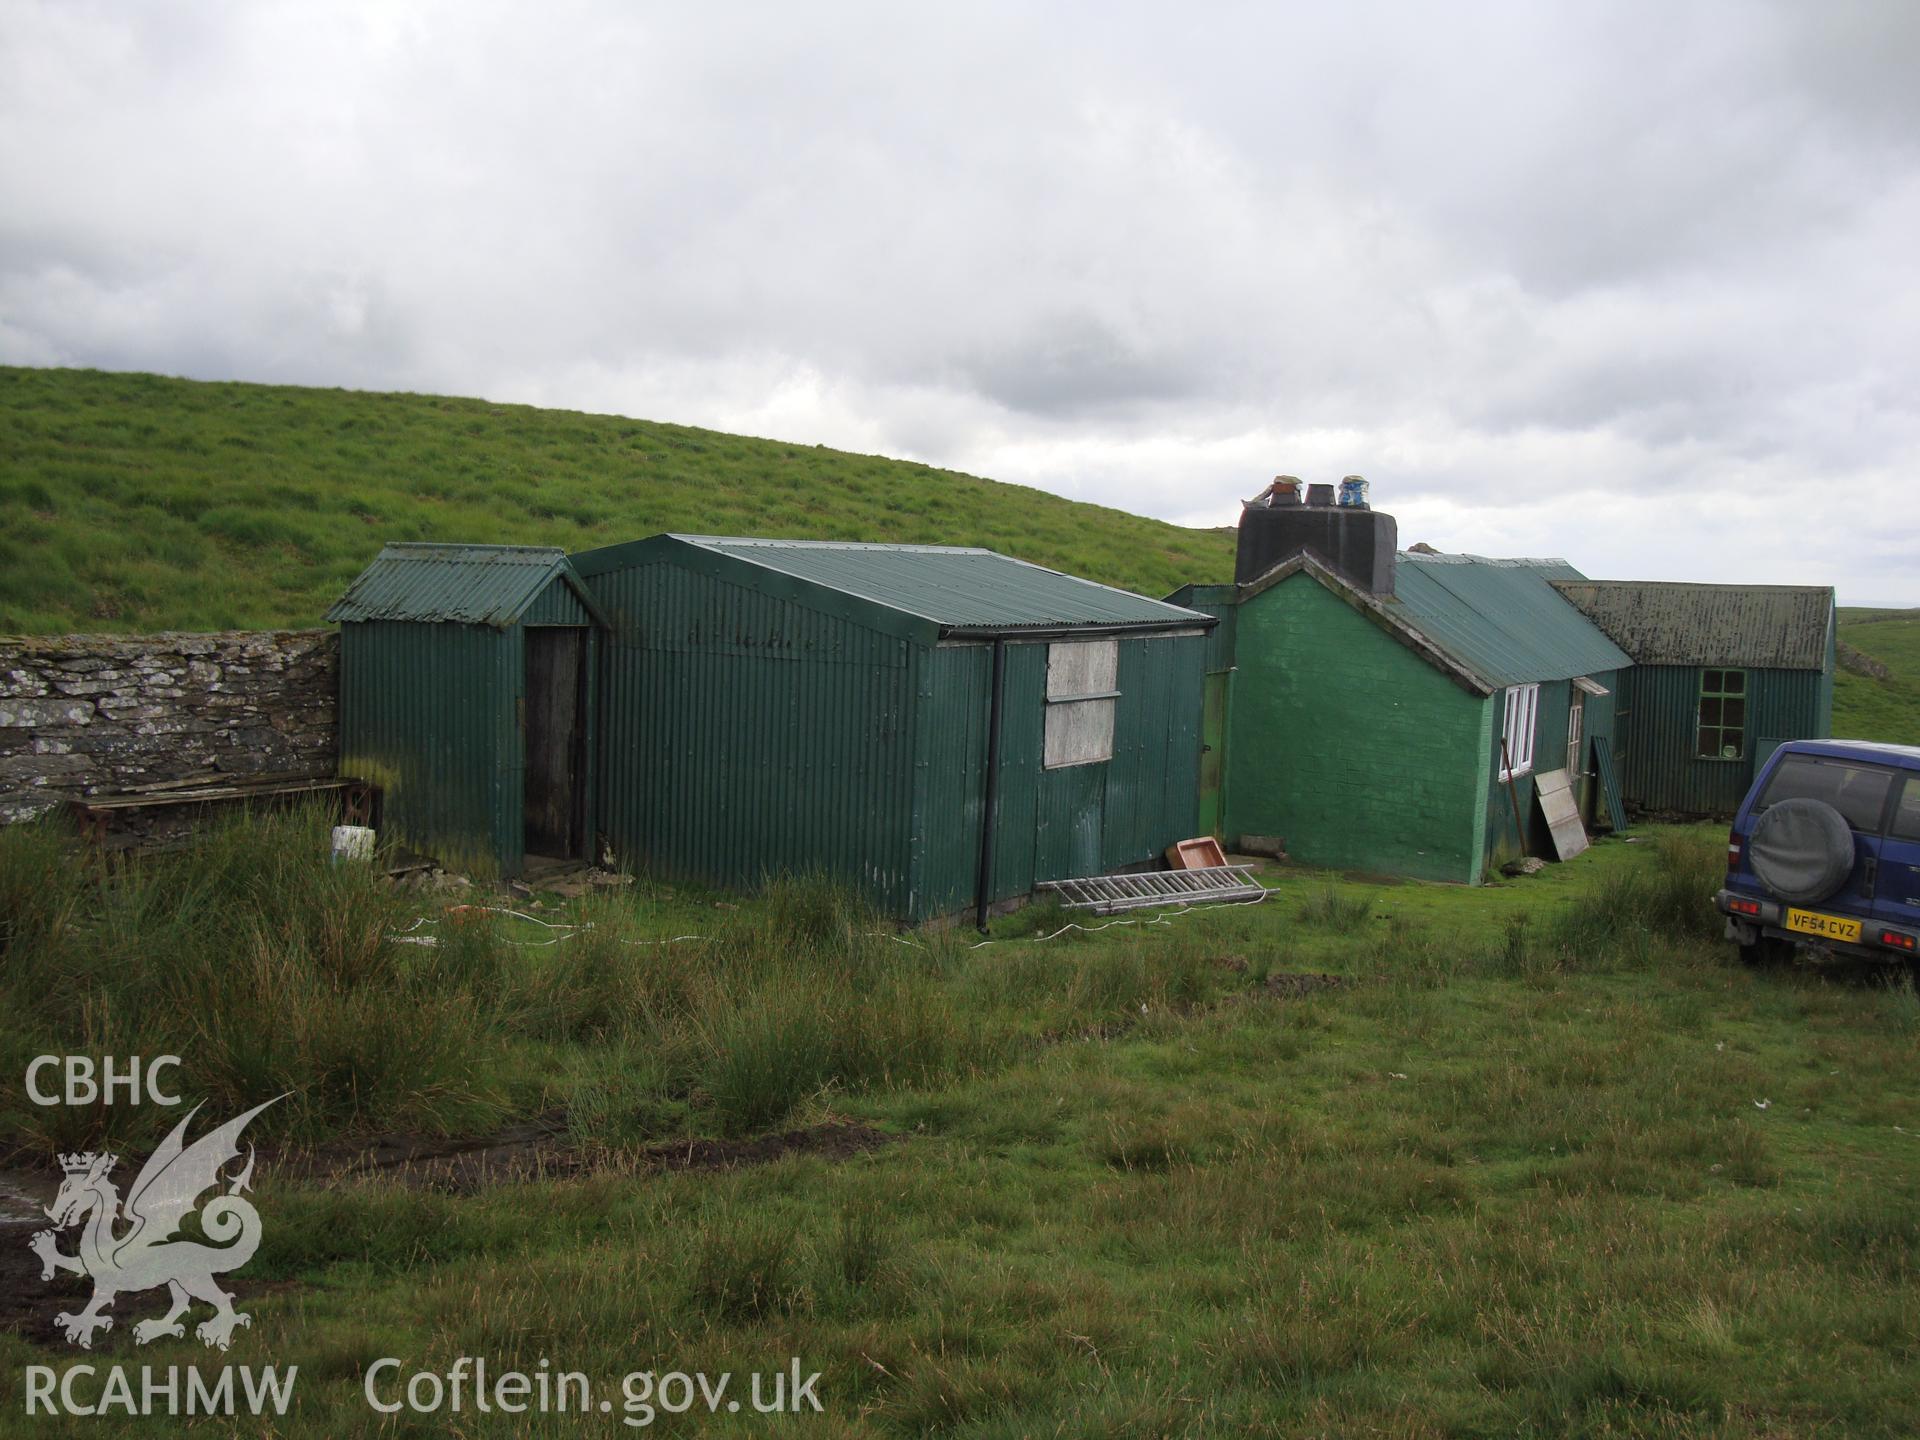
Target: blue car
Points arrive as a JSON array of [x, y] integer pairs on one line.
[[1824, 854]]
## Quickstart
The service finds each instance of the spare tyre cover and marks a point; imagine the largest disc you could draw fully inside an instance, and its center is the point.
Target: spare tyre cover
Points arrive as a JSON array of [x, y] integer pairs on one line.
[[1802, 850]]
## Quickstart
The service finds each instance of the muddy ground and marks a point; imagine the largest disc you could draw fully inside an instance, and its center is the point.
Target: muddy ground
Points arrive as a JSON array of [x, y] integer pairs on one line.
[[539, 1149]]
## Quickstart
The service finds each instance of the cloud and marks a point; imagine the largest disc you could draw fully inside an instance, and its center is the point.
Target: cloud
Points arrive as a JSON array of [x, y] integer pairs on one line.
[[1539, 272]]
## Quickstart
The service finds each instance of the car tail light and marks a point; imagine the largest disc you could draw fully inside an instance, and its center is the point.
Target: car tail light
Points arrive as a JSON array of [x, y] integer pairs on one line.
[[1897, 940], [1733, 849], [1744, 907]]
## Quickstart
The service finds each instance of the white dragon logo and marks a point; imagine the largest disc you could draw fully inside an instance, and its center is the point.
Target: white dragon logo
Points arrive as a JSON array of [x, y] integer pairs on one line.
[[137, 1250]]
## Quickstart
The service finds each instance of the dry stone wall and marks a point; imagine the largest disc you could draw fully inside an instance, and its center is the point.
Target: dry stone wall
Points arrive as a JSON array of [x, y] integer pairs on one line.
[[101, 714]]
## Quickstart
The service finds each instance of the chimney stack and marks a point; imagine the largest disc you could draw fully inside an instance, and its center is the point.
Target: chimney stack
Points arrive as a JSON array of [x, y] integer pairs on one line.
[[1348, 536]]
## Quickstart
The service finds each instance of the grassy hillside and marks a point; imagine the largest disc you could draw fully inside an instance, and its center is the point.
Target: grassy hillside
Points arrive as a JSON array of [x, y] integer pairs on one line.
[[1866, 707], [134, 502]]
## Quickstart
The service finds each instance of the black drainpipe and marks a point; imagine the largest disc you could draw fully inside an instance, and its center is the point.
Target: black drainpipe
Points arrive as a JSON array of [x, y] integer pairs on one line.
[[990, 805]]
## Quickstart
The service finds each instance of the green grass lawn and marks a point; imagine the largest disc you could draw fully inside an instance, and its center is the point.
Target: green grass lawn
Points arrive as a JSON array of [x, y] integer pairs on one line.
[[1546, 1161], [137, 503], [1868, 708]]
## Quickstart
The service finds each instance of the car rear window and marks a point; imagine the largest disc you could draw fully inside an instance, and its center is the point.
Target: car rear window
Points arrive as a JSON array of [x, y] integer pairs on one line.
[[1858, 792], [1906, 815]]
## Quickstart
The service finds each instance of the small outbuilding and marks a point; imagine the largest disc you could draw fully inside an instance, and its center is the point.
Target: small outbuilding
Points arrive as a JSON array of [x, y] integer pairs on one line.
[[941, 727], [1722, 674], [1391, 711], [467, 695]]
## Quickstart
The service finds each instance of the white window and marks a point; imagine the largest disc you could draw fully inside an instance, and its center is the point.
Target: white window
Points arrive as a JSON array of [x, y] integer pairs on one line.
[[1523, 710], [1081, 676], [1576, 721]]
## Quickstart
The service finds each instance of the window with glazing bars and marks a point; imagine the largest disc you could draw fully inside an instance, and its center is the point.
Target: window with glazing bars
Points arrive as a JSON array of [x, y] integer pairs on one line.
[[1723, 714]]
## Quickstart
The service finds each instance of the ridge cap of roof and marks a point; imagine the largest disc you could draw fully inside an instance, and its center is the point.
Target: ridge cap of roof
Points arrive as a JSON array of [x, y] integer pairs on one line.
[[772, 542]]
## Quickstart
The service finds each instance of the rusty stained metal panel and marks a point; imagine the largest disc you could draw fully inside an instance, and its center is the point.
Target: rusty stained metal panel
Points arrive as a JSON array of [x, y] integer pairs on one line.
[[1778, 627]]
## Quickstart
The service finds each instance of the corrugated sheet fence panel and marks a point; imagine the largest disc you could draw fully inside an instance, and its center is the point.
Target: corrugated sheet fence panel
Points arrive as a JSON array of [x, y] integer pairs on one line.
[[744, 736], [427, 713], [1661, 768], [952, 690]]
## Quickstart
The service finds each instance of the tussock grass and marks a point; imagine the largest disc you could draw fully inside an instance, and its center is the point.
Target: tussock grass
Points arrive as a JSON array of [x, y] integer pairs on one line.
[[1330, 908], [744, 1269], [263, 965], [1513, 1178]]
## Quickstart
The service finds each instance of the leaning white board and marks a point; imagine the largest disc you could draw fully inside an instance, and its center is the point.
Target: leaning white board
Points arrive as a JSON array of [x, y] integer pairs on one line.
[[1554, 789]]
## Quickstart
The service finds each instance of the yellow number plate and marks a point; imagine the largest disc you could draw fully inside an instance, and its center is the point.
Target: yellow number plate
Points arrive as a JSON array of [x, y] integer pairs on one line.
[[1827, 927]]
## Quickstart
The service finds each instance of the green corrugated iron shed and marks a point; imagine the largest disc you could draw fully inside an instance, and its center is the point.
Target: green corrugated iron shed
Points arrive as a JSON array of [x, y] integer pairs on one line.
[[467, 696], [1689, 747], [787, 706]]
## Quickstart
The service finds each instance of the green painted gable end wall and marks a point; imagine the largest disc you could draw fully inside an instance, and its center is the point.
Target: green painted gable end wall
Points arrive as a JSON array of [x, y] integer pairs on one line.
[[1351, 747]]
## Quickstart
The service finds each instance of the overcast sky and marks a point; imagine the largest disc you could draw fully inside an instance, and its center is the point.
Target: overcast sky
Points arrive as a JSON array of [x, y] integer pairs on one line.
[[1632, 284]]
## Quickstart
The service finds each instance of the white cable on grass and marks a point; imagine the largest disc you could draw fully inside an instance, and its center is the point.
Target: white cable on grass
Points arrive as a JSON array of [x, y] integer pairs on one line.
[[406, 937]]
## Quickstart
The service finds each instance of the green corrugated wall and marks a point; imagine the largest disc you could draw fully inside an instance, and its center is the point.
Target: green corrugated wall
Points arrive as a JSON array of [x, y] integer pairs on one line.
[[745, 735], [952, 685], [1662, 772], [427, 713], [1349, 746], [1052, 824]]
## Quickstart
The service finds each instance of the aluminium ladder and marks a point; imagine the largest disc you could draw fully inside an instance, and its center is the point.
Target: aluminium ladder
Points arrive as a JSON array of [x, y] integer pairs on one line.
[[1109, 894]]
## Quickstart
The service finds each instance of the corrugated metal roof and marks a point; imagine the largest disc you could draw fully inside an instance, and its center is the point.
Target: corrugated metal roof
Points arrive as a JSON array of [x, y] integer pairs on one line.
[[1503, 619], [956, 588], [1662, 622], [466, 584]]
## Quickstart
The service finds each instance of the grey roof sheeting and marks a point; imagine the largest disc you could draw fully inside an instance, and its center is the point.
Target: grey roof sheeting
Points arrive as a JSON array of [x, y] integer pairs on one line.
[[460, 584], [957, 588], [1663, 622], [1503, 618]]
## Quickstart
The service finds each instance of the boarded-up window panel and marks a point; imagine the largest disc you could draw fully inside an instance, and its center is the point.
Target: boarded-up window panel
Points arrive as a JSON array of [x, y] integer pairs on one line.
[[1082, 667], [1081, 679], [1079, 733]]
